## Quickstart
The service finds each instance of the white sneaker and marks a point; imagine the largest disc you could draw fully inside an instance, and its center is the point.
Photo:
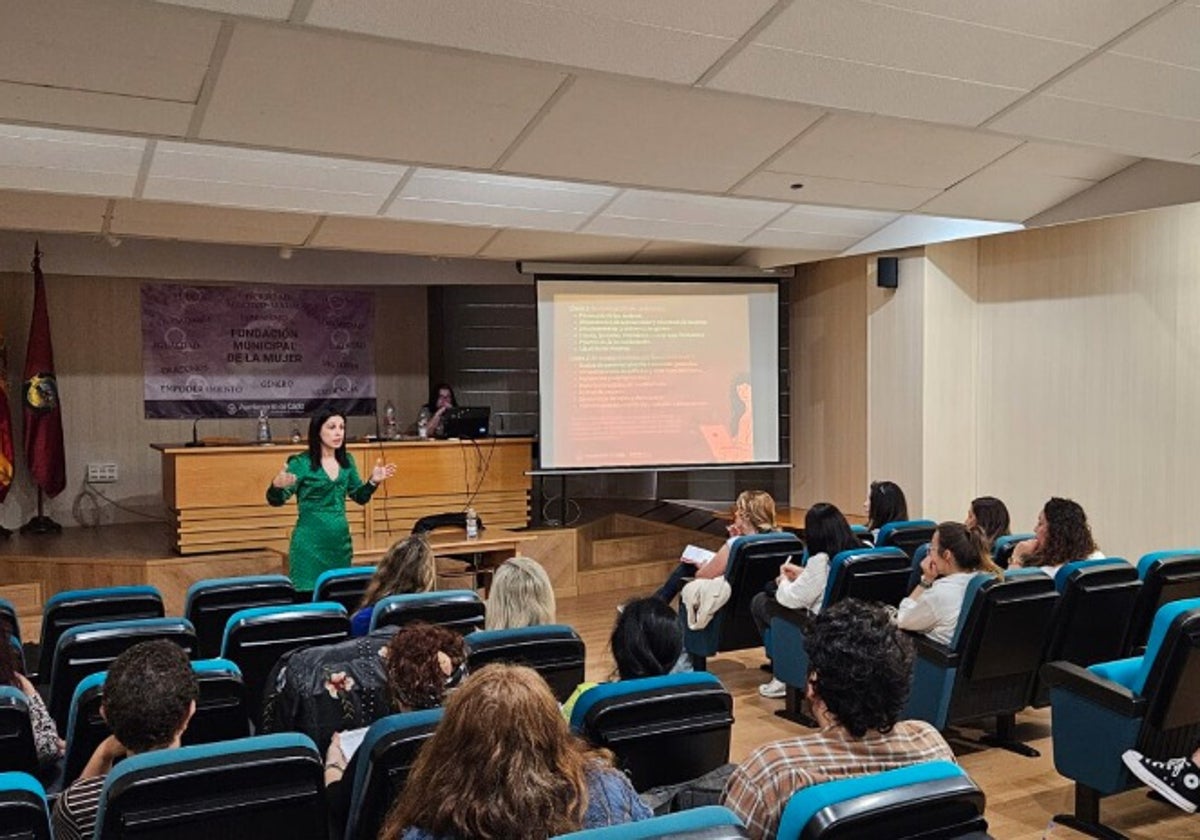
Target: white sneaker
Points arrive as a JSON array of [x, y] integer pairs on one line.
[[774, 689]]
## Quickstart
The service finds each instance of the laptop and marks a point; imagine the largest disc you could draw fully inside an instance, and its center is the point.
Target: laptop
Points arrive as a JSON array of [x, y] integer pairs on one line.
[[466, 421]]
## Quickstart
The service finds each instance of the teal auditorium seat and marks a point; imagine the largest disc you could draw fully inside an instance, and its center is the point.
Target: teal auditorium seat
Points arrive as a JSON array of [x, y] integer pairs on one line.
[[458, 609], [74, 607], [1150, 703], [991, 662], [754, 561], [553, 650], [712, 822], [662, 730], [1166, 576], [209, 603], [260, 787], [1003, 547], [868, 574], [906, 534], [8, 616], [932, 800], [386, 756], [344, 586], [88, 648], [23, 811], [18, 752]]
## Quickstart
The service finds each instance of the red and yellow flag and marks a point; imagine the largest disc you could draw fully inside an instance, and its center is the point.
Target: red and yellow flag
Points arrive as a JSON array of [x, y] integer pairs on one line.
[[6, 438], [44, 450]]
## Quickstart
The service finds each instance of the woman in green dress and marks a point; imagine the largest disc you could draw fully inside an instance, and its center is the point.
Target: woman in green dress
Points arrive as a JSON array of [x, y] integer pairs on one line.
[[321, 479]]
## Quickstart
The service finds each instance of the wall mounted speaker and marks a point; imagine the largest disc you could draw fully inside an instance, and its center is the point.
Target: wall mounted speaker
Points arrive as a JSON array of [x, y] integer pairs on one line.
[[887, 272]]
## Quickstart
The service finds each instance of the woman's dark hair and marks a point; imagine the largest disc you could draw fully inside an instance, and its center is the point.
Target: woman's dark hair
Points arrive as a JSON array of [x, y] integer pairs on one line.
[[885, 503], [646, 640], [991, 517], [415, 674], [967, 546], [314, 438], [1068, 535], [826, 530], [8, 656], [433, 396], [860, 665]]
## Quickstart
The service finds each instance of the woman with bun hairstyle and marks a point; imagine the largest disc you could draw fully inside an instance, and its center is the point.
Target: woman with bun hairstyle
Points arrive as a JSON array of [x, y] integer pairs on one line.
[[956, 554]]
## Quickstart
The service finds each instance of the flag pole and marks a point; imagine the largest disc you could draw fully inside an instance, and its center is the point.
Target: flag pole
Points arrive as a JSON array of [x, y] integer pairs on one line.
[[41, 524]]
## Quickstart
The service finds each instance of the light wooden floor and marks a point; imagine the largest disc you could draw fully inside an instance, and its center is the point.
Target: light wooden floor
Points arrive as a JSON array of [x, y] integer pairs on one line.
[[1023, 794]]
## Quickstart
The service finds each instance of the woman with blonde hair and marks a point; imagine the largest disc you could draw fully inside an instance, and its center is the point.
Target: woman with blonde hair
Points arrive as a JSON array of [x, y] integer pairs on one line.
[[409, 566], [502, 763], [753, 513], [521, 596]]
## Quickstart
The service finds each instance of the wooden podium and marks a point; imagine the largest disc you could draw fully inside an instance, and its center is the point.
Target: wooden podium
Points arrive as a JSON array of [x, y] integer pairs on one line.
[[217, 494]]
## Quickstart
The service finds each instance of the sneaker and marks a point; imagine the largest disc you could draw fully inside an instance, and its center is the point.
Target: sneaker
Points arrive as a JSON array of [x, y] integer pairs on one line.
[[1176, 779], [775, 688]]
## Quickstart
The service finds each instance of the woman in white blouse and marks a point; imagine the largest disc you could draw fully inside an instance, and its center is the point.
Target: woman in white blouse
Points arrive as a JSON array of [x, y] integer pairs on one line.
[[956, 555], [802, 588], [1062, 535]]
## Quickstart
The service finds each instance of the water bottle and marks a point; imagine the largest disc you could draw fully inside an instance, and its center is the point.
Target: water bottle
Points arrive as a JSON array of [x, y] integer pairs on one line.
[[472, 524], [423, 423], [264, 427], [390, 429], [296, 437]]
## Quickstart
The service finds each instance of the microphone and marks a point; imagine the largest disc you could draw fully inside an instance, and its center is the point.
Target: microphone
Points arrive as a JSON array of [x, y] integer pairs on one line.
[[195, 440]]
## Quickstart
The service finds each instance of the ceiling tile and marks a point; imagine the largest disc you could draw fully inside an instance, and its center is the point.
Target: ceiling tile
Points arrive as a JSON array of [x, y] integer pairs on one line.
[[48, 212], [1171, 39], [673, 41], [680, 253], [81, 109], [999, 193], [1144, 135], [1066, 161], [884, 36], [1134, 85], [68, 161], [288, 88], [829, 82], [626, 132], [881, 150], [832, 220], [198, 173], [774, 238], [395, 237], [270, 9], [816, 190], [690, 218], [162, 220], [1090, 22], [141, 50], [560, 247]]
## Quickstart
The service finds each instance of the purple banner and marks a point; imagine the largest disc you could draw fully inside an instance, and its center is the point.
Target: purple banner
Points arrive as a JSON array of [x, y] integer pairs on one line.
[[232, 351]]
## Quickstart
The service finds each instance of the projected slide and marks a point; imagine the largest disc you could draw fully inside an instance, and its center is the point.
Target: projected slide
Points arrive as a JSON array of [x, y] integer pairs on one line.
[[658, 373]]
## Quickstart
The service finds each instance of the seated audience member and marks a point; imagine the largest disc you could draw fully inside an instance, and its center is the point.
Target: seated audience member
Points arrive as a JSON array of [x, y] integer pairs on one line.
[[149, 698], [956, 554], [424, 663], [860, 668], [800, 589], [408, 567], [441, 399], [646, 641], [502, 763], [521, 596], [1061, 536], [885, 503], [990, 516], [45, 736], [1177, 780], [753, 513]]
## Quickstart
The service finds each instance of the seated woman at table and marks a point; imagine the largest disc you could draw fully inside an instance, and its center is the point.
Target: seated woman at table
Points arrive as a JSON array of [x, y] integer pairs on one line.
[[441, 399], [521, 596], [408, 567]]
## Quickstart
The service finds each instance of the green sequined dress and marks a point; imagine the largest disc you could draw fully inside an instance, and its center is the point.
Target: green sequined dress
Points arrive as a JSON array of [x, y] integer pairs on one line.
[[321, 538]]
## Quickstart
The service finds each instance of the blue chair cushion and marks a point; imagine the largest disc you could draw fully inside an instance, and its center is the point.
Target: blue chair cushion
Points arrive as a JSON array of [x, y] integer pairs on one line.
[[839, 560], [415, 599], [886, 531], [1162, 622], [281, 609], [102, 592], [1120, 671], [1064, 573], [694, 819], [604, 691], [980, 580], [482, 637], [12, 780], [217, 583], [1148, 560], [384, 726]]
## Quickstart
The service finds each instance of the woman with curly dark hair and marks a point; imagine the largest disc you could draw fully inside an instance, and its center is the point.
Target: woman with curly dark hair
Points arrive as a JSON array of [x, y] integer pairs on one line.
[[1061, 536], [502, 763]]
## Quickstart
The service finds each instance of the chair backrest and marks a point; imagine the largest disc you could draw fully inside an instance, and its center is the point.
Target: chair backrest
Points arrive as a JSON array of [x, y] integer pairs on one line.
[[385, 758], [452, 519], [458, 609], [936, 799], [710, 822], [869, 574], [1092, 617], [220, 713], [18, 753], [209, 604], [1169, 673], [553, 650], [23, 811], [754, 561], [906, 534], [663, 730], [72, 608], [1166, 576], [8, 616], [1003, 547], [89, 648], [255, 638], [265, 786], [344, 586]]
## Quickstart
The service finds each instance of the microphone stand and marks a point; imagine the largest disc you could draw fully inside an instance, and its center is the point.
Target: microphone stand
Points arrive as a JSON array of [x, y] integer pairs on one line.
[[195, 440]]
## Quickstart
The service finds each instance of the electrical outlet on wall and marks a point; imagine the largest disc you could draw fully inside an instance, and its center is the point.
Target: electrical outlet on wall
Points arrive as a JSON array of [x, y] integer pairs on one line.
[[101, 473]]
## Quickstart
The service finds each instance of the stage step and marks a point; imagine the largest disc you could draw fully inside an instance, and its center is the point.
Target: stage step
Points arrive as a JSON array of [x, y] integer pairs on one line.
[[637, 574]]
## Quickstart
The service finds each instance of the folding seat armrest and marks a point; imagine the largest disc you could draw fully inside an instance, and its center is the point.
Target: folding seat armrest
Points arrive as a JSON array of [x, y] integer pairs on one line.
[[939, 654], [1082, 682]]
